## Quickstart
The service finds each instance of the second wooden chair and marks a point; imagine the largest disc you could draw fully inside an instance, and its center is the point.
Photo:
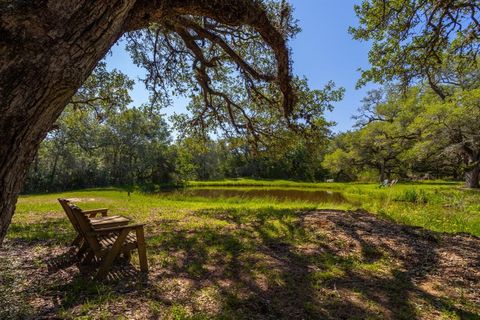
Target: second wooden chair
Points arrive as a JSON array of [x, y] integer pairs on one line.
[[107, 244]]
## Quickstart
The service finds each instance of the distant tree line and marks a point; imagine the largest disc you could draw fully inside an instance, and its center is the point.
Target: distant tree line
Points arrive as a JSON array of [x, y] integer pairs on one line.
[[412, 135], [100, 141]]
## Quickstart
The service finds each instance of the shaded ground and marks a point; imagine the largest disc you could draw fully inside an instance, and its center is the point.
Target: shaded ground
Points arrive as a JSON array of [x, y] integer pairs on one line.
[[251, 264]]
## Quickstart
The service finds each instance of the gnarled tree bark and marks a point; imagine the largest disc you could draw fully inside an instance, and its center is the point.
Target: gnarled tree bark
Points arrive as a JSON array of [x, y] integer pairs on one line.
[[48, 48], [47, 51], [472, 171]]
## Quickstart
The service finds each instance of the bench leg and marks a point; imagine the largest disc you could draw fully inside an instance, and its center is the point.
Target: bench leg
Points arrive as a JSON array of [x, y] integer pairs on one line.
[[127, 255], [111, 255], [89, 257], [142, 250], [82, 250], [77, 240]]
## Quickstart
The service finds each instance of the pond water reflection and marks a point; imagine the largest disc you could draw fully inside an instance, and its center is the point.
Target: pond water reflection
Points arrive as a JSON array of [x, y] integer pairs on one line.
[[280, 195]]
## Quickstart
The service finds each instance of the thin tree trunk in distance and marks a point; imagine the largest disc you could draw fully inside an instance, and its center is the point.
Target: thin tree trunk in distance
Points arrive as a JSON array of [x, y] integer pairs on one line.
[[382, 172]]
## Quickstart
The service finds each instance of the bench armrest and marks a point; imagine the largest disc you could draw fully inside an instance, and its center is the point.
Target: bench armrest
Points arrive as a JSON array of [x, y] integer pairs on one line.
[[111, 224], [119, 228], [93, 212]]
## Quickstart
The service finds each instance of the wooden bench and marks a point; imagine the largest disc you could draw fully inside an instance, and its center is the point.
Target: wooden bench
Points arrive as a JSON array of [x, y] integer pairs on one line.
[[107, 244], [104, 221]]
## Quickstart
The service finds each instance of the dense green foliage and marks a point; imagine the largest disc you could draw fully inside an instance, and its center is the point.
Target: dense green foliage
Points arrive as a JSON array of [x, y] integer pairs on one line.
[[435, 44], [416, 40], [101, 140], [406, 136]]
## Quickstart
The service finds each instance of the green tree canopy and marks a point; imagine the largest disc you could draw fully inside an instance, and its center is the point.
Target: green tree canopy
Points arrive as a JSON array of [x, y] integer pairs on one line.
[[415, 40]]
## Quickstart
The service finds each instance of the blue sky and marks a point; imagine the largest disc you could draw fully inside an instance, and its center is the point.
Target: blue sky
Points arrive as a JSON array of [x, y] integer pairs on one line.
[[323, 51]]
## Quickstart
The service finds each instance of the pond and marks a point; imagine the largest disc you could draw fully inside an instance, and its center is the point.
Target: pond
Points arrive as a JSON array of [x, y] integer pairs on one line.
[[278, 195]]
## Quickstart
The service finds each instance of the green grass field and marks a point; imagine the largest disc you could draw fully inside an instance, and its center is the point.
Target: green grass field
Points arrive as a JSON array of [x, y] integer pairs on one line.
[[256, 258]]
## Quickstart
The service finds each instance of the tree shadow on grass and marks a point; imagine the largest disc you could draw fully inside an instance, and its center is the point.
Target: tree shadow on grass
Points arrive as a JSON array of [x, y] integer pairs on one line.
[[285, 264], [412, 255], [281, 264]]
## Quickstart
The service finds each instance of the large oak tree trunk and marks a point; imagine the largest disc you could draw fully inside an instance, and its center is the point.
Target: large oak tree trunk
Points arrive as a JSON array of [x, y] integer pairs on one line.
[[46, 51]]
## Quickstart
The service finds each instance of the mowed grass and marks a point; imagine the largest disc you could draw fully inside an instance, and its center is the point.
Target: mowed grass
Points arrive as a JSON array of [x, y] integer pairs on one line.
[[252, 258]]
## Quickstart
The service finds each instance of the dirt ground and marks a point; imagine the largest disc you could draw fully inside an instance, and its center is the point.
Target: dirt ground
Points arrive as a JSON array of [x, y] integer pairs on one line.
[[354, 266]]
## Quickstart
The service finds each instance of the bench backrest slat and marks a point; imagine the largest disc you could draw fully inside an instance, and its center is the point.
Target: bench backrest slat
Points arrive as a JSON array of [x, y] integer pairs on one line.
[[86, 227], [65, 203]]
